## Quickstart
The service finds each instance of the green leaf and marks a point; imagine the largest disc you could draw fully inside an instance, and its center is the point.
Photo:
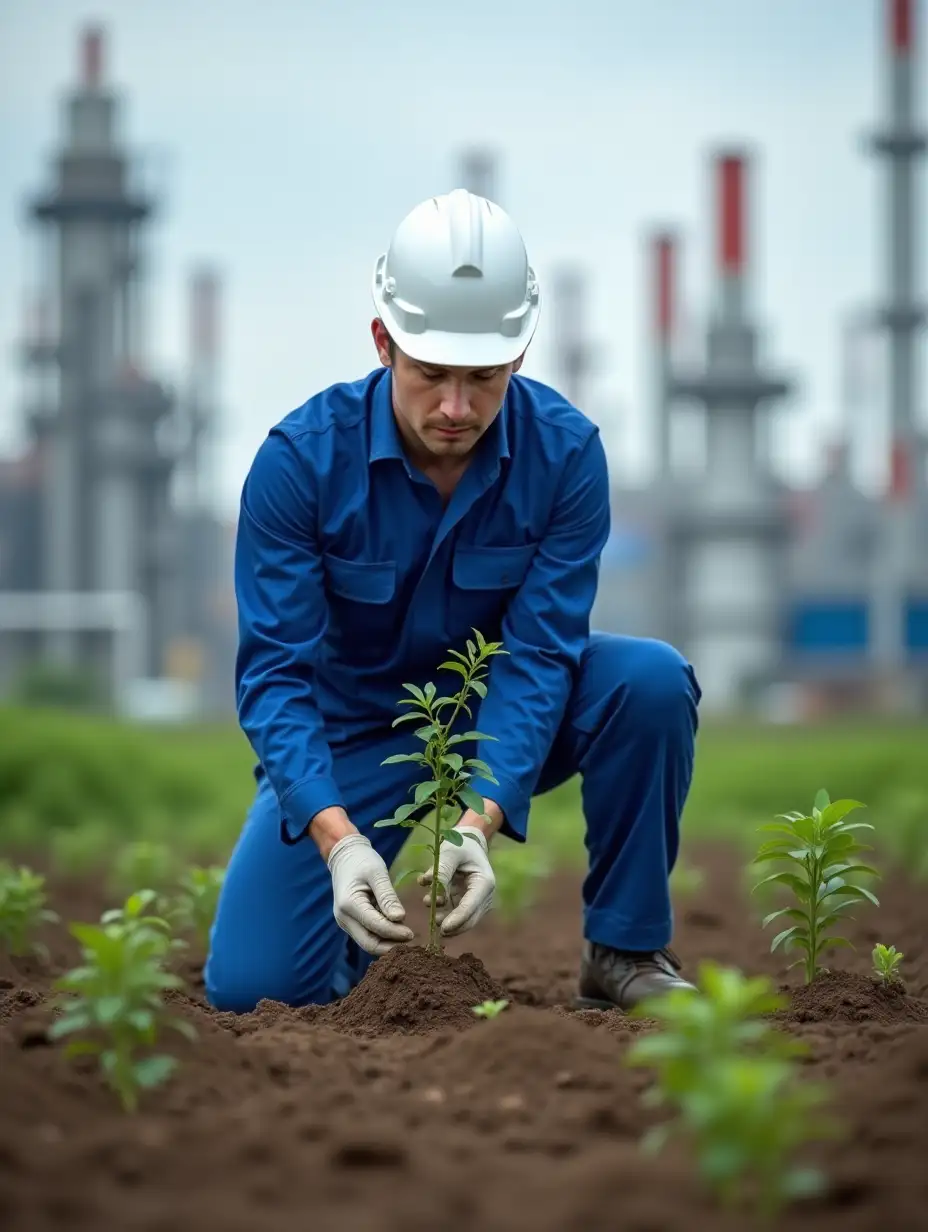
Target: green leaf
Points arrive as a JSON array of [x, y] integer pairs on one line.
[[471, 799], [472, 837], [153, 1071], [425, 734], [81, 1048], [852, 892], [470, 735], [800, 888], [822, 799], [398, 757], [792, 912], [405, 875], [479, 688], [425, 790], [417, 693], [450, 666], [784, 938], [454, 760], [833, 813], [454, 837], [387, 821]]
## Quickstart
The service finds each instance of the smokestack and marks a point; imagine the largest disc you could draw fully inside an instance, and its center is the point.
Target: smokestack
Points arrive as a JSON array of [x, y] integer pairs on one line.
[[570, 331], [478, 173], [204, 316], [901, 16], [731, 233], [731, 213], [664, 256], [92, 57]]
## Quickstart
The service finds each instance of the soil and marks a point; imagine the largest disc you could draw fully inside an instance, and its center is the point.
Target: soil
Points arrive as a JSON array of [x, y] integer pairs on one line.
[[398, 1109]]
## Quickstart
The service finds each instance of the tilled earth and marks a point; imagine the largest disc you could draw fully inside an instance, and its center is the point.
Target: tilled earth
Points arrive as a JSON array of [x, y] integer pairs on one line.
[[397, 1109]]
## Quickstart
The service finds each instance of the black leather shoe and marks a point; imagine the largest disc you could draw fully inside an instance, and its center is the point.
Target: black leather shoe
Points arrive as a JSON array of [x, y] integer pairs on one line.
[[611, 979]]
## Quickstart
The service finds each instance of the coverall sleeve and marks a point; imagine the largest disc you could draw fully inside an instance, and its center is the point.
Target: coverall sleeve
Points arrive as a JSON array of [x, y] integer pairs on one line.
[[282, 617], [545, 632]]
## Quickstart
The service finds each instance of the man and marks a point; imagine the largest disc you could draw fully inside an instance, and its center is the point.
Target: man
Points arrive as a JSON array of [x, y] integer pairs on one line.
[[382, 521]]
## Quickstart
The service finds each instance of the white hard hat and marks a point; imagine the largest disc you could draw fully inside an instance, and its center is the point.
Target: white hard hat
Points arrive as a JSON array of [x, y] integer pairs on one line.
[[455, 287]]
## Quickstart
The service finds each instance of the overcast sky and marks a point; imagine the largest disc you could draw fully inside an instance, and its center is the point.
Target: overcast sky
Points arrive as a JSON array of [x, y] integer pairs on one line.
[[289, 137]]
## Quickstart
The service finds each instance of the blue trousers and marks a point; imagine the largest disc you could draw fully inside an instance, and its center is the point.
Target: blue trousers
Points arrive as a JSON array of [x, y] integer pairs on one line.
[[629, 731]]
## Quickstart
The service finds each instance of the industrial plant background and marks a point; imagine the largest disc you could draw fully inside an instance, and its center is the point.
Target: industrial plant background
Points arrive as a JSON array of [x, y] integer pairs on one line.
[[792, 597]]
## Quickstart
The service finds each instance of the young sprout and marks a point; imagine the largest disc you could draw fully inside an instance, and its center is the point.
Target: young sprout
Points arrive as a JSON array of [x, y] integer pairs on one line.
[[821, 853], [447, 790], [22, 910], [732, 1081], [886, 960], [489, 1009], [113, 1003], [195, 907]]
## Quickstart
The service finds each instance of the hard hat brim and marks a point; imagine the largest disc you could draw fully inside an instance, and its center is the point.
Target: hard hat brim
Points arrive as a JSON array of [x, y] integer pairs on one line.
[[457, 350]]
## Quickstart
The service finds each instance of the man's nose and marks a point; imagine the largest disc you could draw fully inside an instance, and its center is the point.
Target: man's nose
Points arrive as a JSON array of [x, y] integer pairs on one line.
[[455, 405]]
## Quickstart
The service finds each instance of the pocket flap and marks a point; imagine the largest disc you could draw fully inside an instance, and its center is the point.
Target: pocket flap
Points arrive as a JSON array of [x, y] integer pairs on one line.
[[364, 581], [480, 568]]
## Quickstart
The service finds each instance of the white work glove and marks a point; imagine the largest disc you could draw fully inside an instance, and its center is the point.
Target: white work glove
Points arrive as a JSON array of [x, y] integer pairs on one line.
[[466, 868], [366, 906]]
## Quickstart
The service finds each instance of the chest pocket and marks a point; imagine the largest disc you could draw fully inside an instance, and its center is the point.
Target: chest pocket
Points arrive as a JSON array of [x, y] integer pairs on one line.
[[362, 615], [487, 579]]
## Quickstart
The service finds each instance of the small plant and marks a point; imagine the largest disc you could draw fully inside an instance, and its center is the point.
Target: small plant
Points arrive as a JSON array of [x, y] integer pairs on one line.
[[447, 790], [114, 1002], [194, 909], [142, 863], [489, 1009], [821, 854], [518, 869], [886, 960], [732, 1080], [22, 910]]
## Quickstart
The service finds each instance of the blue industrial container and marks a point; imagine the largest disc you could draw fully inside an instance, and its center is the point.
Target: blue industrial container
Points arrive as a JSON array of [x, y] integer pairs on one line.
[[828, 626], [916, 626]]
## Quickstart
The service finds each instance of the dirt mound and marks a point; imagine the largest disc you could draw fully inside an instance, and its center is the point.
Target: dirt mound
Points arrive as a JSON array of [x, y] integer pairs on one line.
[[846, 996], [412, 991]]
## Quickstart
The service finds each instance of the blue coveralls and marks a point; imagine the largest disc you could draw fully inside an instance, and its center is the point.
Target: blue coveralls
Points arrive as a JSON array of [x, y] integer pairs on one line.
[[353, 577]]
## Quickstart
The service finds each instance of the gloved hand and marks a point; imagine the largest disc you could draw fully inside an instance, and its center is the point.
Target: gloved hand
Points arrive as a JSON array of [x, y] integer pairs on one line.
[[466, 868], [366, 906]]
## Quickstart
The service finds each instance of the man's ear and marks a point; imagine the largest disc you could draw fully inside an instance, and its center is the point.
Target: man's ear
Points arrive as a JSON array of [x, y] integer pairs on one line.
[[382, 342]]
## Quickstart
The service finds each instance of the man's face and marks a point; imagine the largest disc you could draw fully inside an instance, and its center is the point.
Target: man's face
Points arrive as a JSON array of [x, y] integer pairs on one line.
[[442, 412]]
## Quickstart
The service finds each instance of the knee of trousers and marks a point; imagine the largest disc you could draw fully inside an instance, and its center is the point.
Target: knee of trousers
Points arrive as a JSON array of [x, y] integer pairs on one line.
[[655, 687], [236, 982]]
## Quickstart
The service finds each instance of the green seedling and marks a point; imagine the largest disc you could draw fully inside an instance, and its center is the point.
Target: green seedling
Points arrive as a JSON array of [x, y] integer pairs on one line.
[[519, 869], [821, 853], [22, 910], [447, 790], [143, 863], [886, 960], [733, 1083], [194, 909], [489, 1009], [113, 1004]]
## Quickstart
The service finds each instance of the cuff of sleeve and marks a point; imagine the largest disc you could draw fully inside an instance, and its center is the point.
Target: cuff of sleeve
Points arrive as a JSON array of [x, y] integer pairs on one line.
[[512, 800], [301, 804]]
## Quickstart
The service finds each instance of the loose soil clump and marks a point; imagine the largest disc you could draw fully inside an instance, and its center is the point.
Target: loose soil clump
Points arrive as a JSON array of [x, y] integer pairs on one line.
[[848, 996], [397, 1109], [413, 991]]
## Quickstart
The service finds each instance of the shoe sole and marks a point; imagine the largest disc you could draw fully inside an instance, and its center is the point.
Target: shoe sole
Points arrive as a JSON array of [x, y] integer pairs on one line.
[[594, 1003]]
